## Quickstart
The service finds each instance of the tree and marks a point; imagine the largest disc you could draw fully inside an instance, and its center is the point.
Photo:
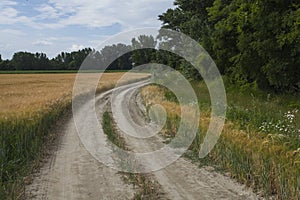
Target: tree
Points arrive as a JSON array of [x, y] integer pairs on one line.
[[144, 51], [190, 17], [41, 61], [30, 61], [5, 64], [250, 41], [258, 42], [70, 61], [23, 60]]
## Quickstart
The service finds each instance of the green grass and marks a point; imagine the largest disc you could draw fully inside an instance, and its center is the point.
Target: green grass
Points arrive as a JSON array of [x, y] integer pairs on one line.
[[260, 154], [22, 140], [148, 189], [250, 108], [110, 131]]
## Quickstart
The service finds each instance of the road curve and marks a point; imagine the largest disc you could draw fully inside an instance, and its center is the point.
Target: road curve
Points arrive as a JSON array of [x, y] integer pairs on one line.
[[74, 173], [181, 179]]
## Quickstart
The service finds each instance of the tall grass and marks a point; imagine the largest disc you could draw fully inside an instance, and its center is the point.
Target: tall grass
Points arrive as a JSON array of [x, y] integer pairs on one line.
[[260, 143], [22, 139]]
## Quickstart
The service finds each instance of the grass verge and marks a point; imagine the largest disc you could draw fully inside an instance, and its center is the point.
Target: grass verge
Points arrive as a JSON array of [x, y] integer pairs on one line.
[[260, 142], [147, 188]]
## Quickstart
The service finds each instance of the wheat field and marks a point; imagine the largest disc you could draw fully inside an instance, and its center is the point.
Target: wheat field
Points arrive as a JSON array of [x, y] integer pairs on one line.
[[23, 93], [30, 105]]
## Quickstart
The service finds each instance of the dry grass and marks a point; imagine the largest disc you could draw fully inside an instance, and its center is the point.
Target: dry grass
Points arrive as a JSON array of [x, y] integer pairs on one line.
[[155, 95]]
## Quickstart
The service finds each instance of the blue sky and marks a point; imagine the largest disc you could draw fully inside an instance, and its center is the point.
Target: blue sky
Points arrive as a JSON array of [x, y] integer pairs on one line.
[[52, 26]]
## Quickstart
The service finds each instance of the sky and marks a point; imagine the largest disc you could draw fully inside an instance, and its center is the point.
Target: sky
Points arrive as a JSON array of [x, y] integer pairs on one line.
[[53, 26]]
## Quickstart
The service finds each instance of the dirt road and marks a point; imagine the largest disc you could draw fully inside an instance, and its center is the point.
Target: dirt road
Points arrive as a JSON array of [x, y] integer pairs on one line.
[[73, 173]]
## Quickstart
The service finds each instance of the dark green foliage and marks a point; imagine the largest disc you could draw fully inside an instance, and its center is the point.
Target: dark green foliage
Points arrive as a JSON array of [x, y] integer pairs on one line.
[[108, 55], [189, 17], [111, 56], [40, 61], [250, 41], [70, 61], [260, 50], [144, 50], [25, 60]]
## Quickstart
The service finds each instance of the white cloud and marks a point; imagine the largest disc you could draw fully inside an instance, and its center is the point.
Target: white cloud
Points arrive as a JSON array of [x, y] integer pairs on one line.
[[76, 47], [12, 32], [43, 43], [48, 12], [7, 3], [10, 15], [94, 13], [89, 13], [50, 41]]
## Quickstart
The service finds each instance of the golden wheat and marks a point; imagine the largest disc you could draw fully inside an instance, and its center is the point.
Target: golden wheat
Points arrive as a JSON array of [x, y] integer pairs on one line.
[[21, 93]]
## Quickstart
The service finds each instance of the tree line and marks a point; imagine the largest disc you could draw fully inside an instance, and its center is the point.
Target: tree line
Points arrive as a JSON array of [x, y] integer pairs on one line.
[[116, 57], [65, 60], [252, 42]]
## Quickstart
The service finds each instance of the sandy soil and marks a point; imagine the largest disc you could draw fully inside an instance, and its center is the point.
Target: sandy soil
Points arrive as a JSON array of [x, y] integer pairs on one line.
[[73, 173]]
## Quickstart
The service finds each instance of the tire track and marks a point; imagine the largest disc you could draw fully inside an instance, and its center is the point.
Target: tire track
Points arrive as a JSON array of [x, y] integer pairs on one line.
[[75, 174]]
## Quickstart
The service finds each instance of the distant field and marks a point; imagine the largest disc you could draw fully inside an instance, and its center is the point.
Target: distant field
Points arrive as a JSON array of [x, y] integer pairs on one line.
[[58, 71], [23, 93]]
